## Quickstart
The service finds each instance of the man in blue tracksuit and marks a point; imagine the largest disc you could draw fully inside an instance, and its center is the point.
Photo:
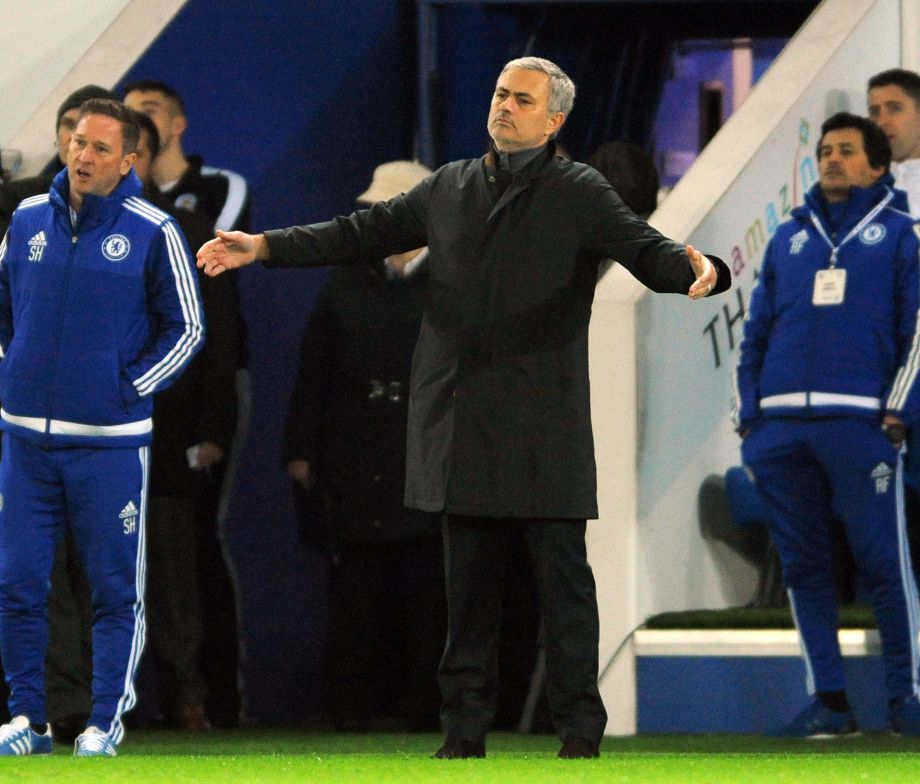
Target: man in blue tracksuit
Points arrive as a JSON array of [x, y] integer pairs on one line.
[[825, 385], [99, 309]]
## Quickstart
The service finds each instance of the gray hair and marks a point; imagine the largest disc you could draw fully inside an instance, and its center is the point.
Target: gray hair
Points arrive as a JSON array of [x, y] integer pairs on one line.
[[561, 88]]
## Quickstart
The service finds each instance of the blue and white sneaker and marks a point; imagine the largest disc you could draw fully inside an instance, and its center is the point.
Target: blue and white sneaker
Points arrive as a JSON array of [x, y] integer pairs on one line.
[[93, 743], [18, 739], [818, 721], [904, 716]]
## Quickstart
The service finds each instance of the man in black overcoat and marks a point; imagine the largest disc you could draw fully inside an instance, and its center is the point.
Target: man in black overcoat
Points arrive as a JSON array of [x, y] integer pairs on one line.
[[499, 432]]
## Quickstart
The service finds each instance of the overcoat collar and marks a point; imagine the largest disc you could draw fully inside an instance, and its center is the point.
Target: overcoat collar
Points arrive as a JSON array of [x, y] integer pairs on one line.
[[522, 180]]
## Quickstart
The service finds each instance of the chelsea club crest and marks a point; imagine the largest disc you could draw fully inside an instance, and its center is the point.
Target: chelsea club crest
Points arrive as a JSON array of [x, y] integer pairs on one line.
[[115, 247], [873, 233]]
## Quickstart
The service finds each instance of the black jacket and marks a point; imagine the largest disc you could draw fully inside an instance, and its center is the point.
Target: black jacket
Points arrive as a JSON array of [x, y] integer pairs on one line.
[[499, 413], [13, 192], [348, 411], [219, 194], [201, 405]]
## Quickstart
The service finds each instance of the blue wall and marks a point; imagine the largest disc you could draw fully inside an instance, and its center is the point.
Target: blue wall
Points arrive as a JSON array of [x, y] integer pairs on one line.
[[304, 99]]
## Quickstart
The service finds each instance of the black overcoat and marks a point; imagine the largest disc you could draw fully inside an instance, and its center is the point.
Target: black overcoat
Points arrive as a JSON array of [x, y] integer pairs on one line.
[[348, 410], [499, 411]]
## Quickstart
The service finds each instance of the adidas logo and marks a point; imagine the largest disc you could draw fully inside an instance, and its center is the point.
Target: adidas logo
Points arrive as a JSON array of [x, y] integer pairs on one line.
[[881, 470], [796, 241], [128, 517], [37, 246]]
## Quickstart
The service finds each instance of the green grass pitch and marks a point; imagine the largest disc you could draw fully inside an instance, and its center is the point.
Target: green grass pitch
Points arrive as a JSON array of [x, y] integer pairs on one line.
[[285, 755]]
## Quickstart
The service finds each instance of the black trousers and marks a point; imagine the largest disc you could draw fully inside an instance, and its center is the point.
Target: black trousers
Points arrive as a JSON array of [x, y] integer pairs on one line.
[[475, 552], [387, 620], [174, 622]]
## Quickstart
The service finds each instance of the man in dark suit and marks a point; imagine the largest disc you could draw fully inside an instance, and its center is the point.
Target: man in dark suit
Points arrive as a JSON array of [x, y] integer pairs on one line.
[[499, 431]]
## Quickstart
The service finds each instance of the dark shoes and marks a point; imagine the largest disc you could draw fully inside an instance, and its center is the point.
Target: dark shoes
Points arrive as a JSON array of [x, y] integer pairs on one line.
[[904, 716], [191, 718], [578, 748], [572, 748], [460, 749], [818, 721]]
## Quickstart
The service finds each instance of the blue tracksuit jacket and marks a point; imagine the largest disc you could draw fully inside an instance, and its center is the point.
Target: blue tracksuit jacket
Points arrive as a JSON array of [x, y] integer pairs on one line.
[[93, 319], [860, 357]]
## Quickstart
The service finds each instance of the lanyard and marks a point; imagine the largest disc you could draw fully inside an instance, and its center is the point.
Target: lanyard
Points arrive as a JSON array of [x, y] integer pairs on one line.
[[858, 228]]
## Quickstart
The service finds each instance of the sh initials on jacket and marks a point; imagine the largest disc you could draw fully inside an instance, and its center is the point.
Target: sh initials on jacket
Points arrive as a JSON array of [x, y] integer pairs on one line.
[[830, 285], [128, 517], [37, 246]]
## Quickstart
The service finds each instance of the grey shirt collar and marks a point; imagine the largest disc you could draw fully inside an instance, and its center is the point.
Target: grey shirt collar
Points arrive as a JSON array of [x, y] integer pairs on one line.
[[514, 162]]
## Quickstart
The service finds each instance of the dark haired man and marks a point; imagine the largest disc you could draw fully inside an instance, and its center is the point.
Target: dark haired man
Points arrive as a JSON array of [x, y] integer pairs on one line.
[[220, 194], [223, 197], [499, 432], [825, 383], [894, 105], [197, 416], [99, 309], [632, 173], [893, 99]]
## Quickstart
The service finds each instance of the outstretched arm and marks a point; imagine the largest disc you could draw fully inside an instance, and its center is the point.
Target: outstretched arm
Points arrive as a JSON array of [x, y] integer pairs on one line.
[[231, 249]]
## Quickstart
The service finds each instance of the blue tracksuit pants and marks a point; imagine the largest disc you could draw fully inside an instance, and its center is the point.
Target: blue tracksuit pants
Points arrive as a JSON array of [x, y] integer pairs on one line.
[[811, 472], [101, 495]]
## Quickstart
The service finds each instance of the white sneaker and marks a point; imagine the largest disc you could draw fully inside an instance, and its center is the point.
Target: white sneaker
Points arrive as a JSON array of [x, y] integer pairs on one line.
[[93, 743], [18, 739]]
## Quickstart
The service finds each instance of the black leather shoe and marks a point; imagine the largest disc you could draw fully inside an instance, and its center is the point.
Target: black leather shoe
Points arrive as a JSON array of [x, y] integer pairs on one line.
[[578, 748], [460, 749]]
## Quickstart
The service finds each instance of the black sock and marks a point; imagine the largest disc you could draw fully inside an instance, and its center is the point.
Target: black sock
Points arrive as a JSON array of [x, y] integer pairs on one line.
[[835, 700], [41, 729]]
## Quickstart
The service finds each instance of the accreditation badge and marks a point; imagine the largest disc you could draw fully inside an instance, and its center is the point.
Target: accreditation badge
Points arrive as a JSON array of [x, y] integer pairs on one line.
[[830, 285]]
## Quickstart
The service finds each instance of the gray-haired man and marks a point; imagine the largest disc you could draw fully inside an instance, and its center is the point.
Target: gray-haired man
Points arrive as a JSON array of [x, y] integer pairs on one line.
[[499, 416]]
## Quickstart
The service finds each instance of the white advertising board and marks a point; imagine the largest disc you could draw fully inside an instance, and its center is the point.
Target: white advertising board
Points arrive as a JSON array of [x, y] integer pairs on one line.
[[686, 352]]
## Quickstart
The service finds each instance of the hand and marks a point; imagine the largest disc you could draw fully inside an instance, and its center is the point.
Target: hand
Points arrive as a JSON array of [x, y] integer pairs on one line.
[[301, 473], [705, 271], [209, 454], [229, 250], [895, 429]]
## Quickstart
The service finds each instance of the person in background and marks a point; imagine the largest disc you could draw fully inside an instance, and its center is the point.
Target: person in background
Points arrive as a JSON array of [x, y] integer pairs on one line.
[[182, 178], [192, 434], [893, 99], [631, 172], [345, 442], [223, 197]]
